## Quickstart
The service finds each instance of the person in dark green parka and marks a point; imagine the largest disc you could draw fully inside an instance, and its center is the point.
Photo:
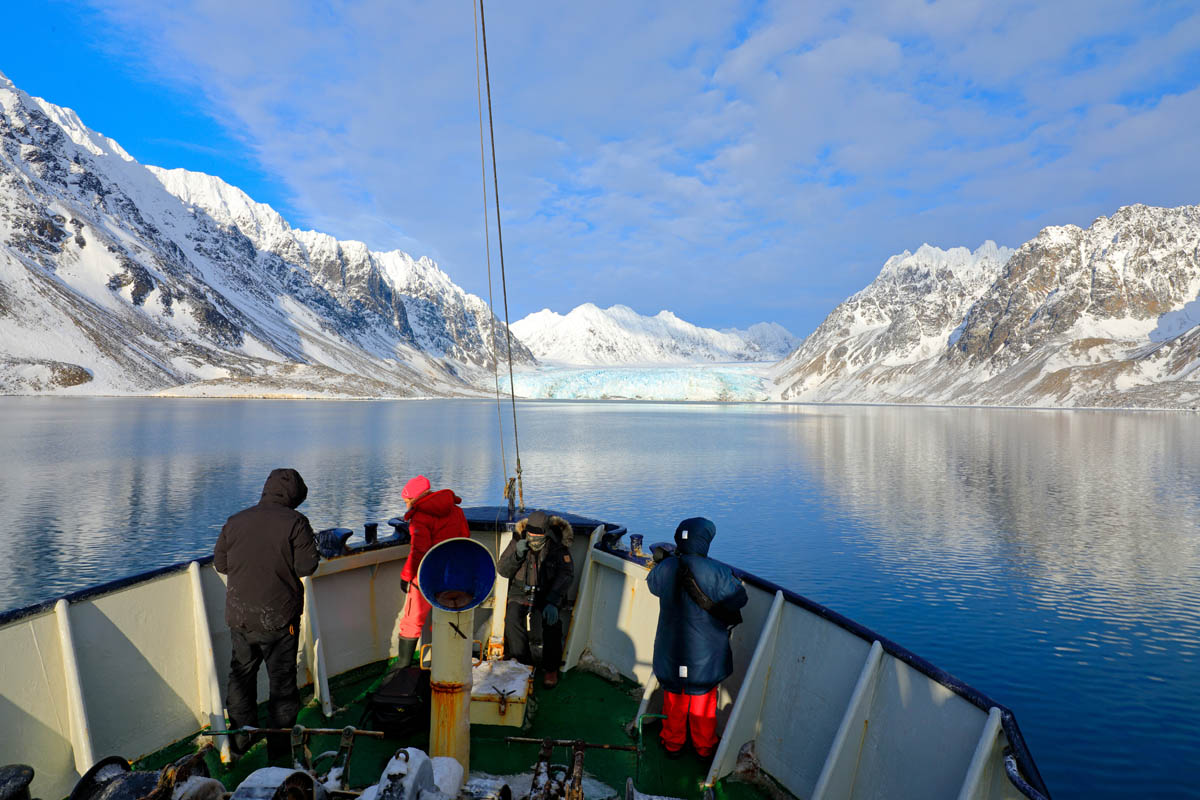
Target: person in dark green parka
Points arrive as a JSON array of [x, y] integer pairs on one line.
[[537, 563]]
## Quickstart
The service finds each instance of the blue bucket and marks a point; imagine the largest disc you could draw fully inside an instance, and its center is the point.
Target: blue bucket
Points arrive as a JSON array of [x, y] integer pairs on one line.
[[457, 574]]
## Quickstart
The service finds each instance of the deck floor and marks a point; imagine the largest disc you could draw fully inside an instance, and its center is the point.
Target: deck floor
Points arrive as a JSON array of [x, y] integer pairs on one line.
[[582, 706]]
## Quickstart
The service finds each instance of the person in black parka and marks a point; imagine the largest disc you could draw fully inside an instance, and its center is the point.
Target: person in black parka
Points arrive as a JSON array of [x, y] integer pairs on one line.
[[691, 646], [537, 563], [265, 550]]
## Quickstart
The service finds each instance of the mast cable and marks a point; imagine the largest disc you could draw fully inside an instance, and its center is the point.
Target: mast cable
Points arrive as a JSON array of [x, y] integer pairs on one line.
[[500, 241], [487, 243]]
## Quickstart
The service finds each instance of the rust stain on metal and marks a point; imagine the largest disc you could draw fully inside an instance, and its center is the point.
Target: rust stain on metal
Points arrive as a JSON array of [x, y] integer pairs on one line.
[[445, 726], [447, 713], [575, 789]]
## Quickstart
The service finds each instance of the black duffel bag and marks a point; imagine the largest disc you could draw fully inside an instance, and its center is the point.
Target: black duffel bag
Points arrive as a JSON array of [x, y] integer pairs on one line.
[[400, 706]]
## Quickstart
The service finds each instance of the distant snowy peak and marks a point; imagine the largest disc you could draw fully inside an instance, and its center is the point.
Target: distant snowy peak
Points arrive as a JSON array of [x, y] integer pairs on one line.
[[911, 307], [961, 261], [589, 335], [1103, 316], [771, 338]]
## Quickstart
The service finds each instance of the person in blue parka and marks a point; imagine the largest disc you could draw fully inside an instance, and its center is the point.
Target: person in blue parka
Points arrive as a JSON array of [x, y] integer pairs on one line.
[[699, 600]]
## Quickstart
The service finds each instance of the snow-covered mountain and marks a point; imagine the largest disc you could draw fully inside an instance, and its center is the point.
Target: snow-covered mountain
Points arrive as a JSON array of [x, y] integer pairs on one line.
[[619, 336], [1105, 316], [121, 278], [905, 316]]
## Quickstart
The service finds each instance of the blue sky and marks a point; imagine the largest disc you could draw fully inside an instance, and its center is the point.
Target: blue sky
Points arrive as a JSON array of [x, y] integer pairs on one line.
[[733, 162]]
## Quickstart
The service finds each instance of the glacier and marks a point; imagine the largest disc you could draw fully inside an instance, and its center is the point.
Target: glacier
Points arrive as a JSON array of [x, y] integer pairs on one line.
[[694, 382], [598, 353]]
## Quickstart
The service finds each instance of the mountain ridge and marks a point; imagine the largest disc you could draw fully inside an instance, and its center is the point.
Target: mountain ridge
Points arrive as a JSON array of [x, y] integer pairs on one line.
[[119, 278], [1097, 317], [110, 283], [618, 336]]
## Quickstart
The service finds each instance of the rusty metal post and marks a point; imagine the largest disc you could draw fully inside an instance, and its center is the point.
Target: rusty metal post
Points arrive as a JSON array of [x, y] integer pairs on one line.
[[450, 684], [455, 576], [542, 787], [575, 789]]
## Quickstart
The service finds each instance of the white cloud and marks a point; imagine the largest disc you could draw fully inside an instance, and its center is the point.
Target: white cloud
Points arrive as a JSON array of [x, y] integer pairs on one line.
[[732, 160]]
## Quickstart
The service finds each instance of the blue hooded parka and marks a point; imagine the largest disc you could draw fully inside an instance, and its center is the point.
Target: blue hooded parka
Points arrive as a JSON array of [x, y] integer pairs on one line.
[[691, 648]]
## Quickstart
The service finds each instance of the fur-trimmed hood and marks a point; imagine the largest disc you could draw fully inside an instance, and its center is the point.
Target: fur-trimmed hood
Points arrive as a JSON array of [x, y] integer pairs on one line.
[[560, 529]]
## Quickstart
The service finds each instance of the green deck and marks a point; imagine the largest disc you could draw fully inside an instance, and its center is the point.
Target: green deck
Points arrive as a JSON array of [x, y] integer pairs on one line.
[[582, 706]]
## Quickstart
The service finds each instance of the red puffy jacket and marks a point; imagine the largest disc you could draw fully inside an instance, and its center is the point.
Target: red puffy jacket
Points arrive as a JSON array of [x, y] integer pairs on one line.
[[433, 518]]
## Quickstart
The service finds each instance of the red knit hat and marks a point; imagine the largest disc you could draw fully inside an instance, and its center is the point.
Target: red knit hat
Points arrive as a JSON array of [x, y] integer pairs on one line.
[[415, 488]]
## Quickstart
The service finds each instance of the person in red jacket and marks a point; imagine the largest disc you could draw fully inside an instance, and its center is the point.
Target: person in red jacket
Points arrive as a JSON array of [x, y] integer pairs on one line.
[[432, 517]]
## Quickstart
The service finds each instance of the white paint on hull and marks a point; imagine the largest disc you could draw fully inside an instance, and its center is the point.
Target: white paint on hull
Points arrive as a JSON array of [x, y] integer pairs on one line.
[[830, 714]]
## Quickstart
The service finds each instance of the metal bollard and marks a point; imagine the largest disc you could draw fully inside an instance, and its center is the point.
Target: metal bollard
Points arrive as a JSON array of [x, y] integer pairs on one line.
[[331, 542], [400, 530], [14, 782]]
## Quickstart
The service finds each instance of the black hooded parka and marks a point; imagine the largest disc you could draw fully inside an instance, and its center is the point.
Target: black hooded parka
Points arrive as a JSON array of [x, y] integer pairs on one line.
[[265, 550]]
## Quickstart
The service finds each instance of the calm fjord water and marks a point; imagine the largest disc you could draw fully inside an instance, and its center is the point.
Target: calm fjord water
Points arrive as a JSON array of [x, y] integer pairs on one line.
[[1051, 559]]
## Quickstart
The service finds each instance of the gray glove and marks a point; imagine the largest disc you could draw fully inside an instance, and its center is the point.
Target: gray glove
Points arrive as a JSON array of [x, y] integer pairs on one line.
[[522, 547], [658, 554], [550, 615]]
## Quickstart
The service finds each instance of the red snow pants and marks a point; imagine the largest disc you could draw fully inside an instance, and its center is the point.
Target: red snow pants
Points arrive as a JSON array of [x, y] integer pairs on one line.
[[416, 611], [697, 710]]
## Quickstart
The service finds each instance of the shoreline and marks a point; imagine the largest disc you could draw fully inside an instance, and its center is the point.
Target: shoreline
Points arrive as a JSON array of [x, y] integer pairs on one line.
[[265, 397]]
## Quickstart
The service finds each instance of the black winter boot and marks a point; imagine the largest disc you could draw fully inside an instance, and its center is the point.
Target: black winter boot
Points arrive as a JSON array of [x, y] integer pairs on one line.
[[404, 652]]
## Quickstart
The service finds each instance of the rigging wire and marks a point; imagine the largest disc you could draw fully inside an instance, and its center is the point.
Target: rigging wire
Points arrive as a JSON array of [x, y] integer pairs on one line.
[[487, 243], [500, 242]]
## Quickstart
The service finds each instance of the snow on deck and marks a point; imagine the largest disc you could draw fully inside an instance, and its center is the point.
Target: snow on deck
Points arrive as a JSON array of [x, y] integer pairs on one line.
[[504, 678]]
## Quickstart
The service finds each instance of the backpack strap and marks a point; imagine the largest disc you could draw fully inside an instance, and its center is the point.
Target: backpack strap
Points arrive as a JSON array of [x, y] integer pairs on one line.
[[728, 617]]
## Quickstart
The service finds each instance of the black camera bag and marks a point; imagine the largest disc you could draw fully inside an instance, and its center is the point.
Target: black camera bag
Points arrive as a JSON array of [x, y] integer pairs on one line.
[[400, 706]]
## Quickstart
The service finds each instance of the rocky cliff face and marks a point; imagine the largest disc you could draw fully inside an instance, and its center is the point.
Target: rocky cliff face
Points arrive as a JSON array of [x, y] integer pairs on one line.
[[119, 278], [884, 333], [413, 296], [1099, 317]]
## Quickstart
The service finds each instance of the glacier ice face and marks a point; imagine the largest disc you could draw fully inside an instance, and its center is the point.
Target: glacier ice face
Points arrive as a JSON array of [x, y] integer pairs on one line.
[[711, 383]]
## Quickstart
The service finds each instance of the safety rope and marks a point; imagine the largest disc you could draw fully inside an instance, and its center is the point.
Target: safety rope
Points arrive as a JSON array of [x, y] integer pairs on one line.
[[500, 242], [487, 244]]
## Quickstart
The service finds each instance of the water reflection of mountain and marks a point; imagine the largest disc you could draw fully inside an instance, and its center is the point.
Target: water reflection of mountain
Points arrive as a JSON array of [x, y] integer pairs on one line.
[[1050, 558], [1102, 499], [97, 489]]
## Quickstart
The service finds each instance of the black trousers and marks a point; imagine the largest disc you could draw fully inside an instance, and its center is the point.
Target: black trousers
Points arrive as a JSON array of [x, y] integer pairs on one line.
[[251, 649], [522, 621]]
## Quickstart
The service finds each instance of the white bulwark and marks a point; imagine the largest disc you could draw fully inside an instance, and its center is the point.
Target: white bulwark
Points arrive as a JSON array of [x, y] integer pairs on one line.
[[821, 705]]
